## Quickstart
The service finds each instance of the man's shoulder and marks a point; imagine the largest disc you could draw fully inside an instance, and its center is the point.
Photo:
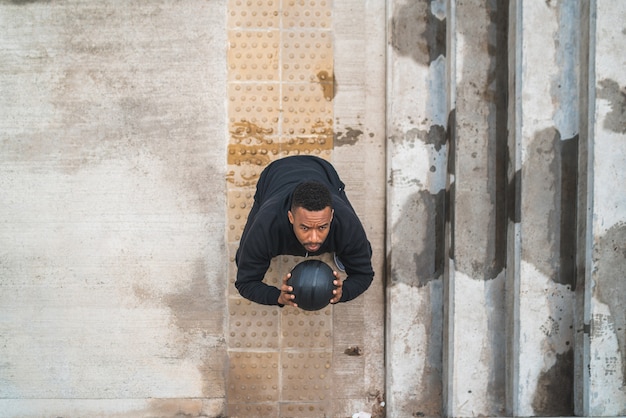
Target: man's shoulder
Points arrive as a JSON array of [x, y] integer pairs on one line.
[[271, 211]]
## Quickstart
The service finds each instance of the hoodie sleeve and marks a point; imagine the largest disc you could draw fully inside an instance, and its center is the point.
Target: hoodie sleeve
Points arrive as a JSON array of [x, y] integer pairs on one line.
[[355, 252], [253, 259]]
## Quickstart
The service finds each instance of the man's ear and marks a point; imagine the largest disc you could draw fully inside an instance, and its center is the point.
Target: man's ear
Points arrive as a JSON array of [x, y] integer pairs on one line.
[[290, 216]]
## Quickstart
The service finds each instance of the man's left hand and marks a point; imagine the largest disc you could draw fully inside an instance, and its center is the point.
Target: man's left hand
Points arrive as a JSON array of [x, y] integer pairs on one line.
[[338, 288]]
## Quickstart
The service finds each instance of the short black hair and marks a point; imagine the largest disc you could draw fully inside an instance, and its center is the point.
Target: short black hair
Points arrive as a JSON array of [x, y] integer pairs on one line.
[[311, 195]]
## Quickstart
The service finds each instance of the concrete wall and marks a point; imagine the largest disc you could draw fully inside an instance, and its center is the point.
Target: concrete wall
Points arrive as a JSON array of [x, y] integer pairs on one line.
[[482, 144], [112, 259], [500, 208]]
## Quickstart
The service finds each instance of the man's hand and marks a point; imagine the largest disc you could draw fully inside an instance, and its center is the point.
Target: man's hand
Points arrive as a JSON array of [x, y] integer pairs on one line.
[[286, 297], [338, 288]]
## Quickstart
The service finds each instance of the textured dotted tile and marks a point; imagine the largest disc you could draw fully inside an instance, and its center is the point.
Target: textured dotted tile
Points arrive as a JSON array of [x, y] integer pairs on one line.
[[253, 55], [247, 410], [245, 174], [305, 376], [307, 113], [303, 330], [305, 410], [280, 97], [252, 326], [256, 104], [253, 377], [307, 14], [253, 14], [254, 123], [307, 119], [306, 57], [239, 203]]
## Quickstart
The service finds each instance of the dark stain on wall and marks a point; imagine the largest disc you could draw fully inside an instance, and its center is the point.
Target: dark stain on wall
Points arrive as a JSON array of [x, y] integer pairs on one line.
[[550, 200], [616, 119], [609, 258], [421, 253], [435, 136], [417, 33], [554, 393], [349, 137], [430, 261], [191, 306]]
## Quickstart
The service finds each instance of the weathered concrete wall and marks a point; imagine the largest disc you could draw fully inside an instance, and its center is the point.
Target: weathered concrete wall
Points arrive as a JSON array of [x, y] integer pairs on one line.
[[417, 152], [605, 136], [499, 208], [112, 259]]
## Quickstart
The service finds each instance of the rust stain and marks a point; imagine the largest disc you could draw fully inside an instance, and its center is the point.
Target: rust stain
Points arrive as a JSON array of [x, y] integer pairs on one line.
[[251, 143], [327, 81], [242, 179], [255, 145]]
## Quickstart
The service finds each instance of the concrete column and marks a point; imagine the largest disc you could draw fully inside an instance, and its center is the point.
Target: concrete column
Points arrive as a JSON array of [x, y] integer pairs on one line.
[[604, 351], [416, 149], [546, 126], [475, 326]]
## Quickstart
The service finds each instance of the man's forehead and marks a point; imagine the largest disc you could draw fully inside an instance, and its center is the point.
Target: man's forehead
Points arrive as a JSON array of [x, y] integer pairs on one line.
[[307, 216]]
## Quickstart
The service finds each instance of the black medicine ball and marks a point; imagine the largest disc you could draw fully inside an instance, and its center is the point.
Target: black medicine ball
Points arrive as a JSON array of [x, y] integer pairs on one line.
[[312, 282]]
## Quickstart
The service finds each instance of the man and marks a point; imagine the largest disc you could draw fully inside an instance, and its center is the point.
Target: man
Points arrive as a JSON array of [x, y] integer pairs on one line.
[[300, 208]]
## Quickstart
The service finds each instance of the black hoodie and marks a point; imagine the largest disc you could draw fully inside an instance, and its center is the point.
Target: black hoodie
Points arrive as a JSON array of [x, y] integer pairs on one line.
[[268, 232]]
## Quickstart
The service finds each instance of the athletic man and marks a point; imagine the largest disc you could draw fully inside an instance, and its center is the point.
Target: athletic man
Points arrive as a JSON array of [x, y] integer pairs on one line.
[[300, 208]]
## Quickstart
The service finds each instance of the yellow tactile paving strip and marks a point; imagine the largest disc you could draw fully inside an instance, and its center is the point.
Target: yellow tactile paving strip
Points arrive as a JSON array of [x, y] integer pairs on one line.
[[280, 103]]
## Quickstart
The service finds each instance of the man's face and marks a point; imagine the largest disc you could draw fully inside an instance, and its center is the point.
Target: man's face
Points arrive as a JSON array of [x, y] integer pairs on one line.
[[311, 227]]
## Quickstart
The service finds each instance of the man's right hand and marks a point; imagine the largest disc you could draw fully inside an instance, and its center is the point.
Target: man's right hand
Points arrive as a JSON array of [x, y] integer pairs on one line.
[[286, 297]]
